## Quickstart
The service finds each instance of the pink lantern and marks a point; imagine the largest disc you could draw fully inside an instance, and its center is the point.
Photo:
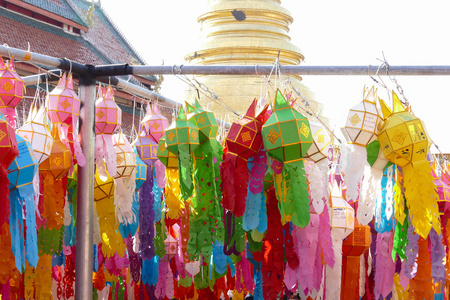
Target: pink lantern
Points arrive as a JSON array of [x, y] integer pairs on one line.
[[154, 123], [11, 90], [153, 127], [108, 118], [63, 110]]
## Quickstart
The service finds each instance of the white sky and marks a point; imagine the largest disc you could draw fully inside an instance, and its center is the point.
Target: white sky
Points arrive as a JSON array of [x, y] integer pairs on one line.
[[328, 32]]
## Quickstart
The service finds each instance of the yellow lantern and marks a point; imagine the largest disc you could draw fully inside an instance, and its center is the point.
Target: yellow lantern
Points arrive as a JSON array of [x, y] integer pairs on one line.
[[404, 141], [103, 186], [60, 160], [403, 137], [126, 159], [363, 120]]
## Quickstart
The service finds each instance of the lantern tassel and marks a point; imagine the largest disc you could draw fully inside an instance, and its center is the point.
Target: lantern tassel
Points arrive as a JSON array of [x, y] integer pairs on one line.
[[227, 173], [356, 162], [185, 172], [421, 197], [297, 200]]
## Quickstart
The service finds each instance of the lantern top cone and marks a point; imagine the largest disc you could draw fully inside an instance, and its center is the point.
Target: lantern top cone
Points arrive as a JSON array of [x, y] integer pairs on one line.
[[287, 133], [403, 137], [244, 137], [154, 123], [108, 116], [205, 120], [11, 85]]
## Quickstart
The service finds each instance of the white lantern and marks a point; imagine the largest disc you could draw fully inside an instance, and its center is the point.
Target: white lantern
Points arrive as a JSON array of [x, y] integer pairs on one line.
[[321, 142]]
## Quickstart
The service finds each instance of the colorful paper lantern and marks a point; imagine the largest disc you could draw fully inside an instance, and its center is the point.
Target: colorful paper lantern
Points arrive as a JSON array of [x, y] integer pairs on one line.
[[169, 159], [287, 138], [242, 142], [63, 107], [364, 120], [22, 170], [206, 121], [404, 141], [403, 136], [342, 214], [321, 142], [11, 90], [126, 159], [182, 138], [103, 186], [108, 119], [146, 147], [154, 123], [36, 130], [358, 242], [60, 161]]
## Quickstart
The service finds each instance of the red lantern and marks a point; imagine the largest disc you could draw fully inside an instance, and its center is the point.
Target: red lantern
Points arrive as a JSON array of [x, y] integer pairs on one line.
[[11, 90], [243, 141]]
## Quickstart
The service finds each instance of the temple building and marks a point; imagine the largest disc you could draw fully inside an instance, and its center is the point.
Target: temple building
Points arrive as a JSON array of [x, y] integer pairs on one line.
[[251, 32], [78, 30]]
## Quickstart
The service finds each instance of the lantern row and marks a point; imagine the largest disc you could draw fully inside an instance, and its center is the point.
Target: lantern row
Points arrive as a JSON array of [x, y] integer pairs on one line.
[[272, 211]]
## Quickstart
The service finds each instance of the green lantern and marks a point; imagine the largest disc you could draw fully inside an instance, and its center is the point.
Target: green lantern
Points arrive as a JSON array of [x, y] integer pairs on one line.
[[182, 138], [287, 138], [205, 120]]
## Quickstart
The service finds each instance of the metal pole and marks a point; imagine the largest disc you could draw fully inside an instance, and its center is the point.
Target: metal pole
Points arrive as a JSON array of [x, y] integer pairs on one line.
[[85, 191]]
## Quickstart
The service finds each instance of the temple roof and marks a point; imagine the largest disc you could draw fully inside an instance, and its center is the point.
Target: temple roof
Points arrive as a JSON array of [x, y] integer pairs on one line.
[[59, 7]]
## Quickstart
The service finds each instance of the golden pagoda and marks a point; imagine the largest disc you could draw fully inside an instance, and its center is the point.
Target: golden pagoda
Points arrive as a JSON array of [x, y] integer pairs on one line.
[[245, 32]]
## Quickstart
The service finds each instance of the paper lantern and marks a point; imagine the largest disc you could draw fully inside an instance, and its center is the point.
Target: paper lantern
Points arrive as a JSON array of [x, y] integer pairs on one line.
[[358, 242], [63, 102], [63, 107], [108, 116], [169, 159], [364, 120], [60, 161], [24, 167], [182, 134], [146, 147], [321, 142], [205, 120], [8, 143], [182, 139], [103, 186], [141, 172], [403, 136], [154, 123], [126, 159], [404, 141], [36, 130], [287, 138], [287, 134], [243, 141], [342, 214], [11, 90]]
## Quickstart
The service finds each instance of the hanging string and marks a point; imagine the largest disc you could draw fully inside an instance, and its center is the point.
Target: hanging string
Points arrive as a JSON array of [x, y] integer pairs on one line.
[[195, 84]]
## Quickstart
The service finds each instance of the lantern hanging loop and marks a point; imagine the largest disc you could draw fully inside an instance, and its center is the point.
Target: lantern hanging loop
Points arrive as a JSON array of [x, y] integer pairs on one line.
[[9, 49]]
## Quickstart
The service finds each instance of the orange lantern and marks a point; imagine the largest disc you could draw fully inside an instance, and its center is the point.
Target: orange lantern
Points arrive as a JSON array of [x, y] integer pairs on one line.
[[11, 90], [59, 161]]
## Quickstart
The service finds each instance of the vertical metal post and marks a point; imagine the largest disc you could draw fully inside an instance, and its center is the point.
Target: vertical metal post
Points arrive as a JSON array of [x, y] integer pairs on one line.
[[85, 191]]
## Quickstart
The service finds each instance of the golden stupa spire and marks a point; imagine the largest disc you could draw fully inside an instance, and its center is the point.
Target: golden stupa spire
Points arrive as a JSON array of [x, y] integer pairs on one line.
[[245, 32]]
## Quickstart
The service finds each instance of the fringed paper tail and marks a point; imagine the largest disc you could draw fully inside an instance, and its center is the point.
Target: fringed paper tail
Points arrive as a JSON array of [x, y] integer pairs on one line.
[[4, 191], [356, 163], [185, 172], [421, 198], [297, 200], [227, 170]]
